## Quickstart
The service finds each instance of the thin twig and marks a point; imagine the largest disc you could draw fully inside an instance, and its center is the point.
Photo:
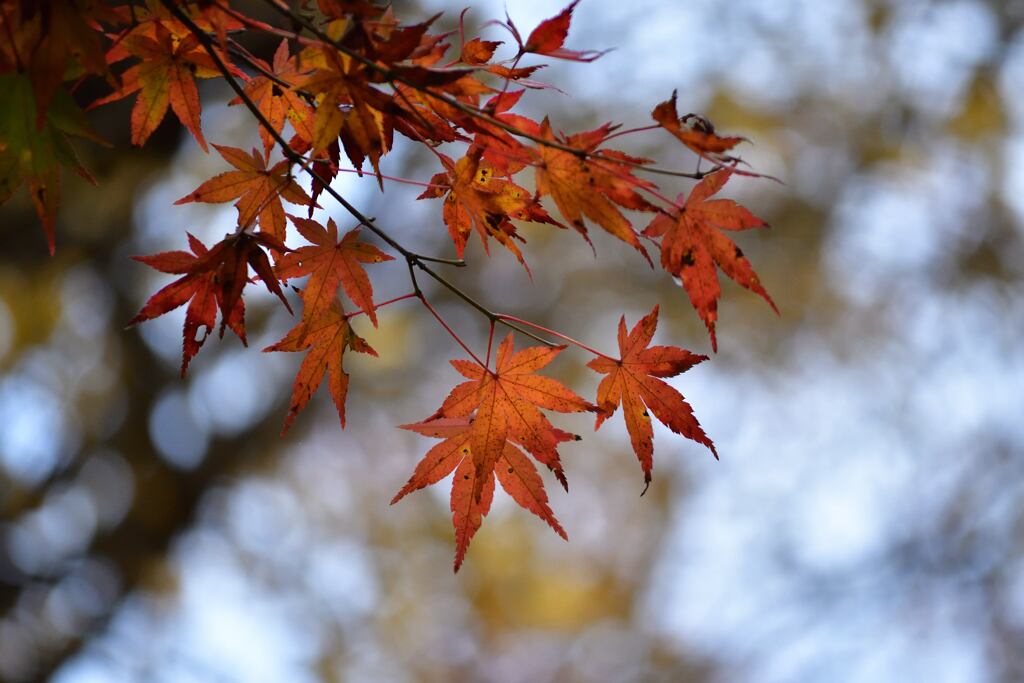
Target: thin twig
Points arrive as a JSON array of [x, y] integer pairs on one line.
[[457, 262], [418, 293]]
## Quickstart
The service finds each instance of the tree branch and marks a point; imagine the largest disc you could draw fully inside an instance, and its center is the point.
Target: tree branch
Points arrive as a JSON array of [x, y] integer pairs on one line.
[[412, 259], [472, 111]]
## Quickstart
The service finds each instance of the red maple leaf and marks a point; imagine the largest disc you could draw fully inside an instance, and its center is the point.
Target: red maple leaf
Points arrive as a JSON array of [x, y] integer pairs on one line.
[[549, 37], [517, 475], [693, 244], [331, 263], [326, 335], [501, 149], [211, 279], [633, 382], [259, 190]]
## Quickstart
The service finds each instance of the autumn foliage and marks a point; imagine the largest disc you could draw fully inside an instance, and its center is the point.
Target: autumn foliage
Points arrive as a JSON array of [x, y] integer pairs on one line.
[[347, 78]]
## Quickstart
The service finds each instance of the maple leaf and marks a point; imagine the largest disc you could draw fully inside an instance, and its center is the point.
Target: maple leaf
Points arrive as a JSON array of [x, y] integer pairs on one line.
[[258, 190], [420, 119], [479, 51], [695, 132], [477, 200], [516, 474], [326, 335], [348, 107], [58, 37], [506, 405], [588, 187], [331, 263], [33, 155], [501, 149], [549, 37], [693, 244], [279, 103], [633, 382], [211, 279], [165, 77]]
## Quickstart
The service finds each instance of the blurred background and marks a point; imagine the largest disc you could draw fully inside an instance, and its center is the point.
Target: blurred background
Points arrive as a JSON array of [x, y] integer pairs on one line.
[[865, 523]]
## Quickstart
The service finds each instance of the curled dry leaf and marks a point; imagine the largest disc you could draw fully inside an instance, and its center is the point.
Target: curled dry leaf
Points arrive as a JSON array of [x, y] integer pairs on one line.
[[695, 132]]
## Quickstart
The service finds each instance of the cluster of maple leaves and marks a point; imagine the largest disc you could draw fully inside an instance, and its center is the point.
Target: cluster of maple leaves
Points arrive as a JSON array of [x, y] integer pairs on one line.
[[346, 76]]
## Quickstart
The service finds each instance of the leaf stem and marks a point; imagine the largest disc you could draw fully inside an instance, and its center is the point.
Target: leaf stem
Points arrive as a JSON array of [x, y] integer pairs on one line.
[[639, 129], [418, 293], [388, 177], [410, 295], [512, 318], [490, 341]]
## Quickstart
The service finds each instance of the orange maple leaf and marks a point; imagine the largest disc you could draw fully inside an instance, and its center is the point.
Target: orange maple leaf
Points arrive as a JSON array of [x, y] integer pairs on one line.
[[331, 263], [279, 103], [633, 382], [258, 190], [693, 243], [588, 187], [506, 405], [348, 107], [475, 199], [165, 76], [517, 475], [477, 51], [326, 336]]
